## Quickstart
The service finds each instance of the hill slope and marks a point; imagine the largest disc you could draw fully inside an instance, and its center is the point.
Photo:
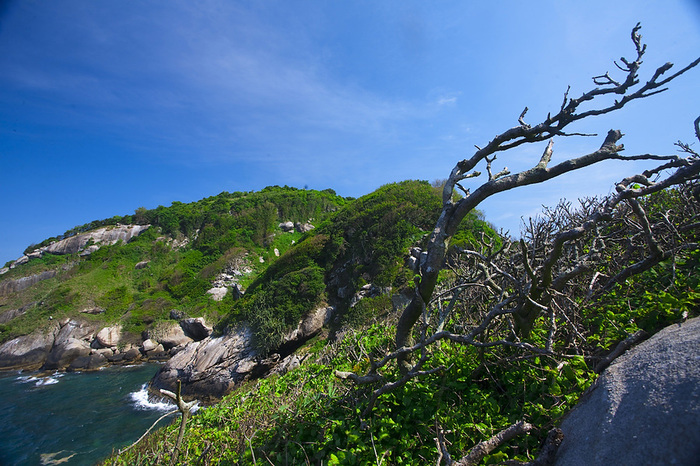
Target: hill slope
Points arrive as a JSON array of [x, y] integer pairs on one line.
[[358, 261], [142, 273]]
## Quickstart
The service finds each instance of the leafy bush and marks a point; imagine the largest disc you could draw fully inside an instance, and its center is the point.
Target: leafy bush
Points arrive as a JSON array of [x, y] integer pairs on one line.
[[277, 307]]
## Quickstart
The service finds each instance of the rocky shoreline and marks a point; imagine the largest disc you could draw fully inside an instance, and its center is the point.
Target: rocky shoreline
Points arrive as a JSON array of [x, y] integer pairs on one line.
[[75, 344], [209, 366]]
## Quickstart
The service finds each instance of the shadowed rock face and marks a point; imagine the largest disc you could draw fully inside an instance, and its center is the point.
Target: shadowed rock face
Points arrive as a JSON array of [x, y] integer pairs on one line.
[[196, 328], [644, 408]]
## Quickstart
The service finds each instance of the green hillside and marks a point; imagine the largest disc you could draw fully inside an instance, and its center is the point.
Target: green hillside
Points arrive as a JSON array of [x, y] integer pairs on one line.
[[315, 415], [186, 246], [342, 405]]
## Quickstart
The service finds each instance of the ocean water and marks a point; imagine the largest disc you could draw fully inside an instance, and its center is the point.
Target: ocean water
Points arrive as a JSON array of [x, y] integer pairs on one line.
[[75, 418]]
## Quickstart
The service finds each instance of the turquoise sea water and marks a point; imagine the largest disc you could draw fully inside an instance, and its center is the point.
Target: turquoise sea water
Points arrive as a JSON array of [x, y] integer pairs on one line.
[[74, 418]]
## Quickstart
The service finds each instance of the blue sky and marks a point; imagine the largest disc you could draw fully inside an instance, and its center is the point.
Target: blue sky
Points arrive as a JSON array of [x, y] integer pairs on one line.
[[109, 106]]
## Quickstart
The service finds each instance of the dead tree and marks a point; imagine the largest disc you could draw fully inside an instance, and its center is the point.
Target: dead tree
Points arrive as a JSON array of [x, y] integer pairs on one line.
[[508, 286], [454, 211], [569, 256]]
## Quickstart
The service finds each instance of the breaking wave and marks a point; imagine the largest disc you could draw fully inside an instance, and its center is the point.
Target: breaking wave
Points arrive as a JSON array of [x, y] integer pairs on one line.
[[143, 401]]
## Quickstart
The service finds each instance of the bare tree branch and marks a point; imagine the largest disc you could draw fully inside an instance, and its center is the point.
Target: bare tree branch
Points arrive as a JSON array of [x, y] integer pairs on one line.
[[454, 212]]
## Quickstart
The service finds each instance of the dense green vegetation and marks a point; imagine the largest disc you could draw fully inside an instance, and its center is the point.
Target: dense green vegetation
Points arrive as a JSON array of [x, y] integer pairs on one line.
[[364, 242], [186, 246], [356, 242], [227, 219], [309, 416]]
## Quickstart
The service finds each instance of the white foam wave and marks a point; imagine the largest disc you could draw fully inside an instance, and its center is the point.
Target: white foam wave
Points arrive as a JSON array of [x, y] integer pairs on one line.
[[142, 401], [40, 381], [46, 381]]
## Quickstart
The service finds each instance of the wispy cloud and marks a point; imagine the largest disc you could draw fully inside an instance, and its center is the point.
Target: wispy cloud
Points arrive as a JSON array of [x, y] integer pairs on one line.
[[451, 100], [215, 76]]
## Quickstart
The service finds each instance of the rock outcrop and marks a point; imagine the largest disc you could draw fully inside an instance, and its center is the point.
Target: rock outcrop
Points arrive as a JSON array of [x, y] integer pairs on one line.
[[10, 314], [78, 345], [212, 367], [196, 328], [28, 351], [71, 342], [108, 337], [303, 227], [228, 279], [170, 335], [209, 369], [8, 287], [644, 408], [286, 226], [86, 243]]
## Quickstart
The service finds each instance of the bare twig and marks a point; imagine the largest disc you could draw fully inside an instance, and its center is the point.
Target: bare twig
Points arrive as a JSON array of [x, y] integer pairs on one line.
[[477, 453]]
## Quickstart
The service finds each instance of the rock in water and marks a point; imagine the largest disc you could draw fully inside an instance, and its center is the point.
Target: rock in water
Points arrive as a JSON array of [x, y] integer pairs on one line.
[[26, 352], [210, 368], [71, 342], [643, 409]]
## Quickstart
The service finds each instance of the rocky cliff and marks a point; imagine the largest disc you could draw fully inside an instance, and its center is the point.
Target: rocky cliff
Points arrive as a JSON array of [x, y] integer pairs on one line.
[[85, 243], [212, 367]]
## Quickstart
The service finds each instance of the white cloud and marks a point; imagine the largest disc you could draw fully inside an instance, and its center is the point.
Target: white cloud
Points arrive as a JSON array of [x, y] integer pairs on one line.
[[447, 100]]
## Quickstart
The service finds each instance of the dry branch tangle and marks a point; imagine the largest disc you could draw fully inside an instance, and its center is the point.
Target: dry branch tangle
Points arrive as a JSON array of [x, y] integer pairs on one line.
[[521, 281], [454, 212]]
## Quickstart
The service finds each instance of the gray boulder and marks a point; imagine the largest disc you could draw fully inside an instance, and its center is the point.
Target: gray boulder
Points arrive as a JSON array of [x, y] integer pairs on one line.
[[28, 351], [142, 265], [88, 363], [643, 409], [149, 345], [171, 336], [196, 328], [310, 325], [303, 227], [131, 354], [286, 226], [109, 337], [62, 355]]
